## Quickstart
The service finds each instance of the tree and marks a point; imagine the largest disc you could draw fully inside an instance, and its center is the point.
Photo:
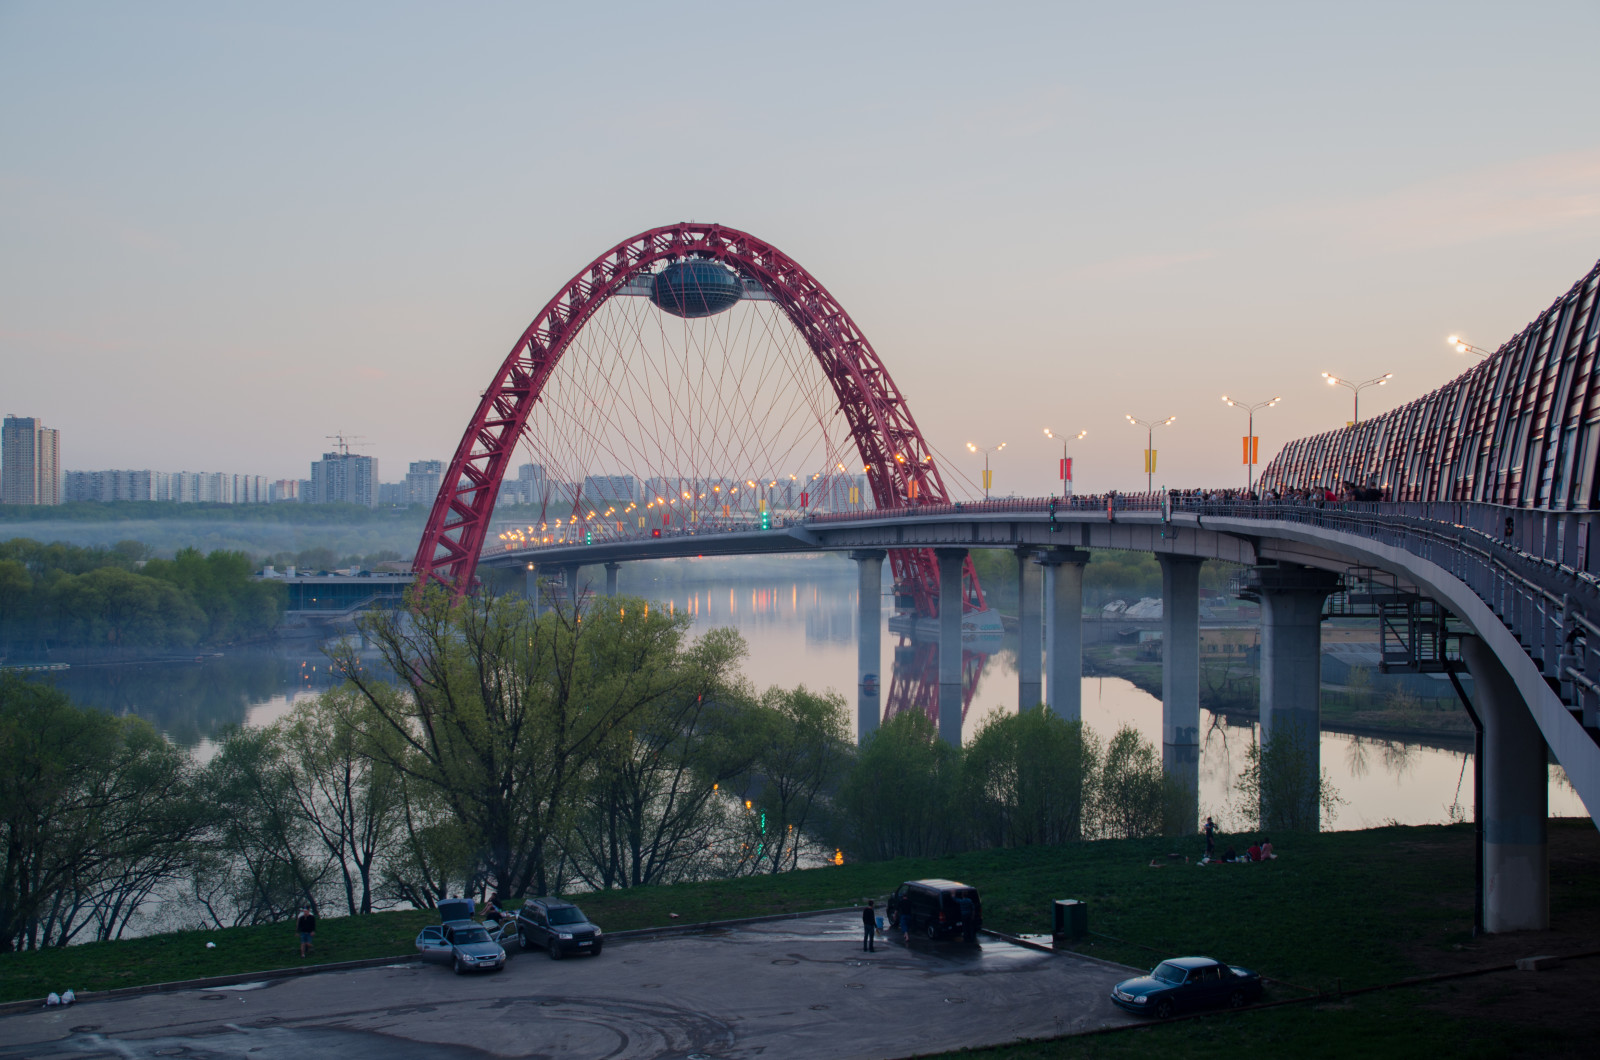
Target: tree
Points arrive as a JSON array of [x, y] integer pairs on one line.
[[650, 806], [1026, 778], [263, 861], [804, 741], [901, 797], [1133, 795], [347, 793], [502, 711], [1282, 787], [94, 810]]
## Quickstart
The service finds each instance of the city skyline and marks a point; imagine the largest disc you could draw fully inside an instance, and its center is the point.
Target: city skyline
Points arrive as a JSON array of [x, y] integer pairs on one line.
[[1135, 212]]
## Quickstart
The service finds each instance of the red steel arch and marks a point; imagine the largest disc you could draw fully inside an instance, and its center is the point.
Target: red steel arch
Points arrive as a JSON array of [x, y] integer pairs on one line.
[[899, 465]]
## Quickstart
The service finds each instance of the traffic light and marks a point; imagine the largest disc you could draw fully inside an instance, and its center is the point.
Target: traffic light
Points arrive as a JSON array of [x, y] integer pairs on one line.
[[766, 519], [656, 532], [588, 537], [1054, 526]]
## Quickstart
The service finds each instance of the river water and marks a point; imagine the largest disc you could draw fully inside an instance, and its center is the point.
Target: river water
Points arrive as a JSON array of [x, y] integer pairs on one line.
[[799, 623]]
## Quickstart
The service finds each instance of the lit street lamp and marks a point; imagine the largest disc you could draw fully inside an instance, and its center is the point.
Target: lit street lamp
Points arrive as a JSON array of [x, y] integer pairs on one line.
[[1250, 436], [1149, 447], [1066, 467], [1356, 389], [987, 476], [1463, 346]]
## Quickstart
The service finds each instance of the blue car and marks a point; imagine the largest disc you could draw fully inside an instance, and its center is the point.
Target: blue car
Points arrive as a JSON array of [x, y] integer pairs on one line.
[[1187, 984]]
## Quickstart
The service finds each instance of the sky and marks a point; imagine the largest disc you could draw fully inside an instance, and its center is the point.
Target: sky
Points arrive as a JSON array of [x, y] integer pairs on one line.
[[228, 231]]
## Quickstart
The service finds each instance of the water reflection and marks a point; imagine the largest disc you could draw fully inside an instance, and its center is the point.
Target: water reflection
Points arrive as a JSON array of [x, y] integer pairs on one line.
[[803, 631]]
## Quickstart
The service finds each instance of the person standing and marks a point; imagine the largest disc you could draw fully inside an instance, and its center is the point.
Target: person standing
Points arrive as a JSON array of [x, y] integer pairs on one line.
[[1210, 830], [307, 926], [869, 927]]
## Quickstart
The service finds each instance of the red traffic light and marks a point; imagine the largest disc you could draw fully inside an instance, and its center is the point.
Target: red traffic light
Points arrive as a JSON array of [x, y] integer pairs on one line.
[[656, 532]]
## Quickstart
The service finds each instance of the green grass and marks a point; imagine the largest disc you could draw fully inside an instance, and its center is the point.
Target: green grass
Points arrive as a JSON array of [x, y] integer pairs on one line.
[[1350, 908], [1396, 1023]]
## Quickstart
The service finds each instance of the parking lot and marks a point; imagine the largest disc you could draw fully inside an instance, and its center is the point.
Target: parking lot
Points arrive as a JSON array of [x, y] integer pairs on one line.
[[793, 988]]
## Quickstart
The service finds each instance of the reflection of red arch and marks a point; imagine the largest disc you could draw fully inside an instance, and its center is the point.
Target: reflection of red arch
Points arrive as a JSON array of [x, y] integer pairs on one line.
[[899, 464]]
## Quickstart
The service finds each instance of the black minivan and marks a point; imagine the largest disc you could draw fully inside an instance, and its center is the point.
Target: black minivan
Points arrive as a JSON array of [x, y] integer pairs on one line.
[[936, 908]]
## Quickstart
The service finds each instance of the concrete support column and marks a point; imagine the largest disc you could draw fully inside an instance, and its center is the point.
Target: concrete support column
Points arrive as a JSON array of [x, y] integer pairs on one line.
[[571, 575], [1516, 858], [1291, 693], [952, 561], [530, 590], [869, 639], [1180, 680], [611, 578], [1030, 637], [1063, 630]]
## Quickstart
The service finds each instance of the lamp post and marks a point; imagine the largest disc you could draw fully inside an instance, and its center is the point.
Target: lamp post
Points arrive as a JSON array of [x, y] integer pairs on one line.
[[1356, 389], [1066, 478], [1250, 436], [986, 451], [1463, 346], [1149, 447]]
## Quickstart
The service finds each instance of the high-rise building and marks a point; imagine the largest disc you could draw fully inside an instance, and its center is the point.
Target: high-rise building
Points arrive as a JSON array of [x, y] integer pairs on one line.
[[30, 462], [422, 481], [115, 485], [284, 489], [609, 490], [344, 478]]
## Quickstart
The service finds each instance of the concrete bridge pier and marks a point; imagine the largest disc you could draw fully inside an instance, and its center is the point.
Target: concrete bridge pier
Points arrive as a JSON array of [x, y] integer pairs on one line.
[[1291, 693], [1516, 857], [611, 578], [530, 589], [951, 562], [570, 573], [869, 640], [1180, 680], [1063, 630], [1030, 679]]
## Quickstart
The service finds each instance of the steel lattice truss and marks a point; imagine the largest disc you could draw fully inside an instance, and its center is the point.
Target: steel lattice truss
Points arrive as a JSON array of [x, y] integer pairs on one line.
[[574, 391]]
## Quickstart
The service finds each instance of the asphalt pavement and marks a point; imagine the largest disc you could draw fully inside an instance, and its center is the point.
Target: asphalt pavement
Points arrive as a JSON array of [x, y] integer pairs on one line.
[[795, 988]]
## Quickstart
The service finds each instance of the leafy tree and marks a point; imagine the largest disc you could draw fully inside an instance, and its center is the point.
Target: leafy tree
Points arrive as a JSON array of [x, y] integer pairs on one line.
[[94, 810], [263, 860], [804, 741], [1133, 795], [502, 712], [901, 797], [1281, 787], [1027, 779], [347, 793], [650, 807]]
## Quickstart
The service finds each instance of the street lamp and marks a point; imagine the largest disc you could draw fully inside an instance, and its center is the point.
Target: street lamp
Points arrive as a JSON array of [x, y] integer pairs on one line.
[[1463, 346], [1356, 389], [1149, 447], [987, 477], [1066, 468], [1250, 436]]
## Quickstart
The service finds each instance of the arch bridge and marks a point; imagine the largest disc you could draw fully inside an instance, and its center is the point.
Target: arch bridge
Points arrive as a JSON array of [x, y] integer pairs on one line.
[[1491, 479]]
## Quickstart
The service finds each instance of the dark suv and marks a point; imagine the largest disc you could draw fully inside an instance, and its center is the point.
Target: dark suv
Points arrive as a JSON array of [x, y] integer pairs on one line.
[[936, 908], [560, 927]]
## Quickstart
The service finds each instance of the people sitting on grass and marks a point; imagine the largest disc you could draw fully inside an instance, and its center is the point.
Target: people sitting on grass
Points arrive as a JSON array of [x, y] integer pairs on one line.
[[1254, 852], [1266, 850]]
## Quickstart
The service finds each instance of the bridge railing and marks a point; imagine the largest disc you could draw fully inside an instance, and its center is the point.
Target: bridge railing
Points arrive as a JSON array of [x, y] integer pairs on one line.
[[1528, 566]]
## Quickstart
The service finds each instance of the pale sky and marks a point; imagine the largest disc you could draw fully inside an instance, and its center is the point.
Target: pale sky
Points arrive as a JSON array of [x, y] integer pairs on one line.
[[230, 230]]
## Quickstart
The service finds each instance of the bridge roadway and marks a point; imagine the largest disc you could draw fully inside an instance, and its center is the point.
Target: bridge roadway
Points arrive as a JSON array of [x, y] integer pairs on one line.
[[1516, 579]]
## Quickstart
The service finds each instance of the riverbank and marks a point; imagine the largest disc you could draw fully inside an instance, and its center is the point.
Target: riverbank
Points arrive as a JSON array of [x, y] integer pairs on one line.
[[1389, 903]]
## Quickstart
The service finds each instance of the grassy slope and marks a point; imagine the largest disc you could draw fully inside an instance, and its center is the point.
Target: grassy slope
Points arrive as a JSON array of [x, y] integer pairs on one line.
[[1377, 895]]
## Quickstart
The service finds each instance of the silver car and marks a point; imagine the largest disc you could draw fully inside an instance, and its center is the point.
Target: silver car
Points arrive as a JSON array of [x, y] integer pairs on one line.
[[463, 944]]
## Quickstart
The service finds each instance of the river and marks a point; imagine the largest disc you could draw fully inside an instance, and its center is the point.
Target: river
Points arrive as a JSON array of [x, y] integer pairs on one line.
[[799, 622]]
